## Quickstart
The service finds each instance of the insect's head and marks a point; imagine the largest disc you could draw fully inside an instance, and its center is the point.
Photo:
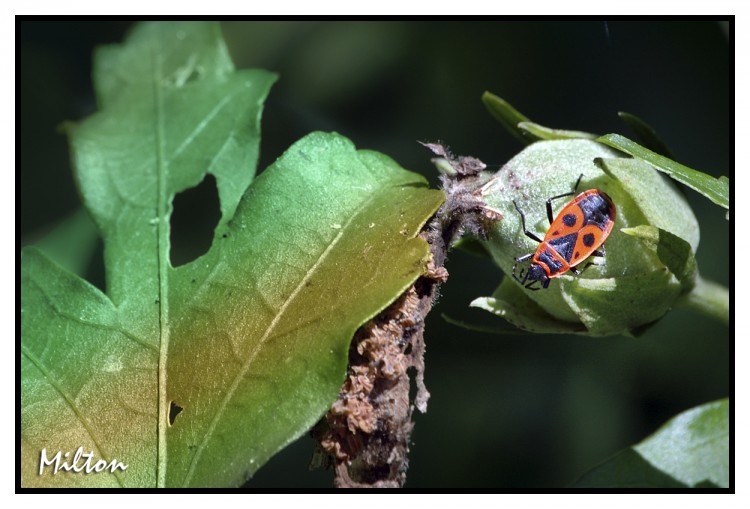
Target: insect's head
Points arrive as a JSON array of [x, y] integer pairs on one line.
[[534, 273]]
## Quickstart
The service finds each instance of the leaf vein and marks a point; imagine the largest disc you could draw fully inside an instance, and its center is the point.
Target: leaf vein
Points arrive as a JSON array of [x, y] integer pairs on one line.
[[84, 422], [98, 325], [202, 125], [280, 313]]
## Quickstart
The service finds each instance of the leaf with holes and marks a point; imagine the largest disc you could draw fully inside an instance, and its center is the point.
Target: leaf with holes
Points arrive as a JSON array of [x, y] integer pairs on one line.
[[196, 375]]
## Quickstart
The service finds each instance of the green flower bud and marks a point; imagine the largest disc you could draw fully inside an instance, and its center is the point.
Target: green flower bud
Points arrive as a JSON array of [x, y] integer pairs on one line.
[[649, 262]]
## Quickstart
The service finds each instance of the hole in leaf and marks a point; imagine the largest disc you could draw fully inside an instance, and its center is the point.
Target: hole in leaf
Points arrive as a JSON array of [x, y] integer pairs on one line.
[[195, 215], [195, 75], [174, 411]]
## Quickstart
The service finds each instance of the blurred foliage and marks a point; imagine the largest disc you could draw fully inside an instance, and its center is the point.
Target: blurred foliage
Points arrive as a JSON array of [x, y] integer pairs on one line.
[[507, 412]]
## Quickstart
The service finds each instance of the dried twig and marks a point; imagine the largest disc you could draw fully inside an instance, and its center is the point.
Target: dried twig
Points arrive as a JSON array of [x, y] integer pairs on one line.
[[365, 434]]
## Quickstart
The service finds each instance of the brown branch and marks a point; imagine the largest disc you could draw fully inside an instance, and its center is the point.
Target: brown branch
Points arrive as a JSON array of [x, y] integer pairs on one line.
[[365, 434]]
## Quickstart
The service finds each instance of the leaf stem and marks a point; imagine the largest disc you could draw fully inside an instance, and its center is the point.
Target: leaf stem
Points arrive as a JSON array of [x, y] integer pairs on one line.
[[709, 298]]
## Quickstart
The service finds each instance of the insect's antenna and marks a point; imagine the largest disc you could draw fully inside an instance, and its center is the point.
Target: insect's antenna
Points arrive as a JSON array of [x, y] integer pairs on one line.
[[530, 286], [520, 274], [521, 259]]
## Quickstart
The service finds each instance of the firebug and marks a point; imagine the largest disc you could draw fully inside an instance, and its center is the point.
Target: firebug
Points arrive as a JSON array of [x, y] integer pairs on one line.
[[577, 233]]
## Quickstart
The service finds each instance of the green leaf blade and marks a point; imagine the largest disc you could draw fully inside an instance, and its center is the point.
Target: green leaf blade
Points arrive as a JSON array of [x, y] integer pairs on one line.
[[690, 450], [173, 110], [188, 51], [694, 446], [71, 243], [85, 381], [674, 252], [508, 116], [316, 262], [541, 132], [509, 301], [646, 134], [152, 142], [716, 190]]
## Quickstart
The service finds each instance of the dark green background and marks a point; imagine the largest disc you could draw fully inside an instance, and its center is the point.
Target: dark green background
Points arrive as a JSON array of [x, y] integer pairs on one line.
[[507, 412]]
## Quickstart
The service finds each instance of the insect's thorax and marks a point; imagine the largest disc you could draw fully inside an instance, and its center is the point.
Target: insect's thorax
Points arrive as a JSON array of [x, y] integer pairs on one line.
[[550, 260]]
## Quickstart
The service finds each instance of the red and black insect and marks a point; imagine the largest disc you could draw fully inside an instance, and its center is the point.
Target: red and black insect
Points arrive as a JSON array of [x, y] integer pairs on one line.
[[578, 232]]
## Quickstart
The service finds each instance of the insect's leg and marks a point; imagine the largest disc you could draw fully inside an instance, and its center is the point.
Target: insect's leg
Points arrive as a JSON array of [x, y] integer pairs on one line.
[[523, 224], [571, 193], [520, 277], [575, 187], [599, 253], [579, 272], [524, 258]]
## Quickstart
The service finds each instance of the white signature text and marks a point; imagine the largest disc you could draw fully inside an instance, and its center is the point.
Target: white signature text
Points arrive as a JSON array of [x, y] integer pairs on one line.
[[80, 462]]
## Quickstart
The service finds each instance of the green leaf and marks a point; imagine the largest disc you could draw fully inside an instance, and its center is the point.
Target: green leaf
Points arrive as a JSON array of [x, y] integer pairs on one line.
[[646, 134], [184, 52], [512, 303], [195, 376], [508, 116], [324, 240], [690, 450], [507, 330], [71, 244], [624, 303], [716, 190], [522, 127], [656, 198], [674, 252], [545, 133]]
